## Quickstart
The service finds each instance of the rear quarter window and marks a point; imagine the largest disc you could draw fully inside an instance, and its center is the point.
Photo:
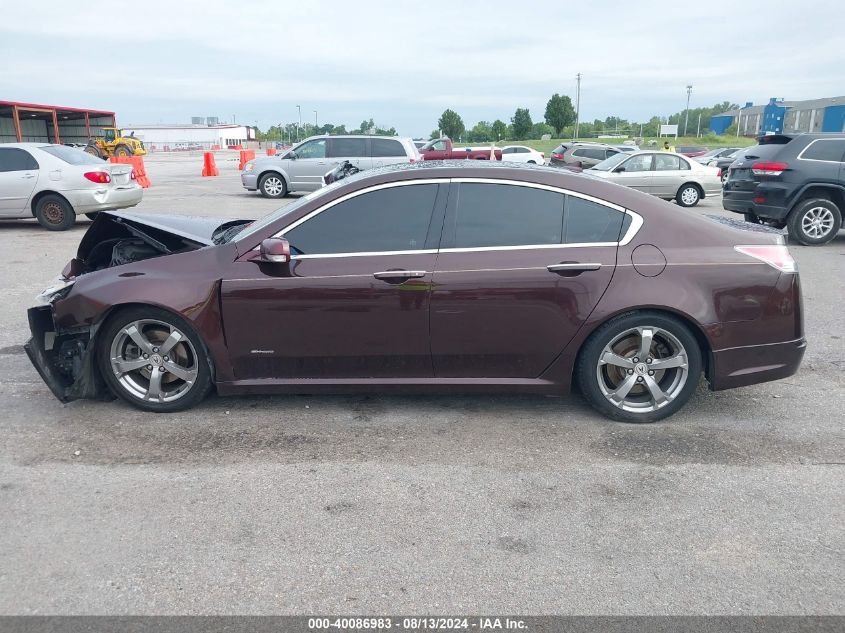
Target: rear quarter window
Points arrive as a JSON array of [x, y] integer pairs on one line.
[[382, 147], [831, 150], [587, 222]]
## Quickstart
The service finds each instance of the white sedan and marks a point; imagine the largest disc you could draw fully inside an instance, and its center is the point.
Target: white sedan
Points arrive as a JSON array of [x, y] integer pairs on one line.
[[523, 154], [54, 183]]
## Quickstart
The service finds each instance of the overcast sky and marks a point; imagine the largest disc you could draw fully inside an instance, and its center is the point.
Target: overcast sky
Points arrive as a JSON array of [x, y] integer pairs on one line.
[[403, 63]]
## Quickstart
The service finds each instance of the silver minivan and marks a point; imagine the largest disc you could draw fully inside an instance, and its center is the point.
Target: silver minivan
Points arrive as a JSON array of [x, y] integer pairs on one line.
[[302, 167]]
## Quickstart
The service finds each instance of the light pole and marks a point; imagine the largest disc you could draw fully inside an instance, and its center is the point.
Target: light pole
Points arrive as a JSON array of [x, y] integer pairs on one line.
[[315, 121], [577, 103], [299, 110], [686, 120]]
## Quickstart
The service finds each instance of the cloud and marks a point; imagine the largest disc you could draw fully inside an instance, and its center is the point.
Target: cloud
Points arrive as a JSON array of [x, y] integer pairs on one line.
[[403, 63]]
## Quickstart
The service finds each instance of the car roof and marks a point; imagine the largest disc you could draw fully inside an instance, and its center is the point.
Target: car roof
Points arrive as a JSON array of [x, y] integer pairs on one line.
[[394, 138]]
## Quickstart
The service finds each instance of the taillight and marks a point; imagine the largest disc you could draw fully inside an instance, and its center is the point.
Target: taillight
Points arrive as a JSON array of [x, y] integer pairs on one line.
[[133, 175], [98, 176], [775, 255], [543, 155], [557, 155], [768, 169], [413, 160], [719, 173]]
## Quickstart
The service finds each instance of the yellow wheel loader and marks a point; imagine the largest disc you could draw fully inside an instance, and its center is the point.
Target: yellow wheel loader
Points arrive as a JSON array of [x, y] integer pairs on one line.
[[113, 143]]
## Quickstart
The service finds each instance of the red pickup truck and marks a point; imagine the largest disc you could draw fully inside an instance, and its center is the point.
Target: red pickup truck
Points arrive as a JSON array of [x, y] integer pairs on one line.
[[442, 149]]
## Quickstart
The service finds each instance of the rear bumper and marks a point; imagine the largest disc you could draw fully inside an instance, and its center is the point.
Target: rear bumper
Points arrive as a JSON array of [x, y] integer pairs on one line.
[[91, 200], [752, 364]]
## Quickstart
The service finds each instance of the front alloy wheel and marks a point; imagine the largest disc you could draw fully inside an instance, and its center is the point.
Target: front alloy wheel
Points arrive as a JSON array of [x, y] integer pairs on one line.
[[272, 186], [154, 361], [639, 367]]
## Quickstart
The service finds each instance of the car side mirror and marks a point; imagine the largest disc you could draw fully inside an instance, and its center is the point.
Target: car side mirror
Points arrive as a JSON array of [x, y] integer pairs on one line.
[[275, 250], [619, 170], [291, 155]]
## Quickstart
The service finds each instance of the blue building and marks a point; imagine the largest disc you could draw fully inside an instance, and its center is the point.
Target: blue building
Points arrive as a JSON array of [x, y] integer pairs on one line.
[[779, 116]]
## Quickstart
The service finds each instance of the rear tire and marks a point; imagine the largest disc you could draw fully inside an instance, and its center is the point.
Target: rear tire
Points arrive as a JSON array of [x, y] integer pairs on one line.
[[620, 383], [173, 376], [272, 185], [688, 195], [814, 222], [93, 150], [54, 213]]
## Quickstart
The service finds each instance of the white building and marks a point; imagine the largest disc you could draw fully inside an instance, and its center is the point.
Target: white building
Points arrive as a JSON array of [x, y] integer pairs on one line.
[[164, 137]]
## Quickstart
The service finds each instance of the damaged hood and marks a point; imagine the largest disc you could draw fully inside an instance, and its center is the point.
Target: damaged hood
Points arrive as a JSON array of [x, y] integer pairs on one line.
[[194, 228]]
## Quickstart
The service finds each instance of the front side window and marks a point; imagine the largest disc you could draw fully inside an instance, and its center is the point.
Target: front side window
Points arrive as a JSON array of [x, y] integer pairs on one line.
[[587, 221], [15, 159], [509, 150], [436, 145], [506, 215], [386, 147], [641, 162], [347, 147], [312, 149], [826, 149], [392, 219]]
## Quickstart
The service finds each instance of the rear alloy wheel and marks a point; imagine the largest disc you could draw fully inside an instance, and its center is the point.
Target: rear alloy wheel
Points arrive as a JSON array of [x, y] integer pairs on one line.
[[272, 186], [54, 213], [153, 360], [688, 195], [815, 221], [640, 367]]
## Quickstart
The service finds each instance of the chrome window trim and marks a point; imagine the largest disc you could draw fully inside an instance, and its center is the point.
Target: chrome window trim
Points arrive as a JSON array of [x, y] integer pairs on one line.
[[819, 160], [633, 228]]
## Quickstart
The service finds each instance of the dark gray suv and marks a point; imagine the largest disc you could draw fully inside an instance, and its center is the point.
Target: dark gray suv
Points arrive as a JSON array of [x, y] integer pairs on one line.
[[583, 155], [793, 181]]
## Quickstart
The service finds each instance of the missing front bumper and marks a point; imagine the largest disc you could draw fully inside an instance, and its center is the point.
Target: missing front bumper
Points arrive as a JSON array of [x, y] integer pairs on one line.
[[64, 360]]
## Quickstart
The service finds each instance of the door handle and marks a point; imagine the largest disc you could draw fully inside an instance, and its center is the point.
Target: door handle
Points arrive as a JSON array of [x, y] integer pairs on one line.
[[572, 267], [392, 275], [28, 176]]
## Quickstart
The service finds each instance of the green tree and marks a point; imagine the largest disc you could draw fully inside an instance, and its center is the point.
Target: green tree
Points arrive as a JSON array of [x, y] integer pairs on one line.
[[559, 113], [451, 124], [480, 133], [521, 122], [538, 129], [498, 130], [435, 134]]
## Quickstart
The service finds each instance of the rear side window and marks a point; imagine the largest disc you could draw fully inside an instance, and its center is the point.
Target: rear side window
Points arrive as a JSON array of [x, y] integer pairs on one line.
[[587, 222], [393, 219], [386, 147], [15, 159], [347, 147], [71, 155], [825, 149], [507, 215], [664, 162]]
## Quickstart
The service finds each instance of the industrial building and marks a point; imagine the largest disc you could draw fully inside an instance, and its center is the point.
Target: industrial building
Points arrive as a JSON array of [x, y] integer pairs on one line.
[[32, 122], [197, 135], [784, 117]]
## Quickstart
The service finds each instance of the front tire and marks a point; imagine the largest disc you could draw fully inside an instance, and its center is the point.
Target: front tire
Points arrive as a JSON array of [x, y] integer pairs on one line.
[[814, 222], [688, 195], [639, 367], [272, 185], [123, 150], [54, 213], [154, 360]]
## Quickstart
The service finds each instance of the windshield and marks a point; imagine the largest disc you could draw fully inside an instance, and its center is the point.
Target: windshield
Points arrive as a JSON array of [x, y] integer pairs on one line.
[[71, 155], [610, 163], [293, 206]]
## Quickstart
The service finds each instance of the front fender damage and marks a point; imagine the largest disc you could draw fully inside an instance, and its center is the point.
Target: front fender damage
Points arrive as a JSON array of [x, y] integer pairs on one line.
[[64, 359]]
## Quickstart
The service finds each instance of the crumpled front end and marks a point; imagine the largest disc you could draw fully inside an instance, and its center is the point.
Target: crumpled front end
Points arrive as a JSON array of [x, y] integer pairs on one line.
[[64, 359]]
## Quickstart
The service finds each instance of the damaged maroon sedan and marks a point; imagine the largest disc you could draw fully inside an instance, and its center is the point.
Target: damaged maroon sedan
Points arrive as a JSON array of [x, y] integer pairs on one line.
[[430, 277]]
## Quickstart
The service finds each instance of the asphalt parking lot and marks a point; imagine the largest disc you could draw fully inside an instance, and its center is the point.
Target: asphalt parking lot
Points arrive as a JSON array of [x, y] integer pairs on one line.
[[474, 504]]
